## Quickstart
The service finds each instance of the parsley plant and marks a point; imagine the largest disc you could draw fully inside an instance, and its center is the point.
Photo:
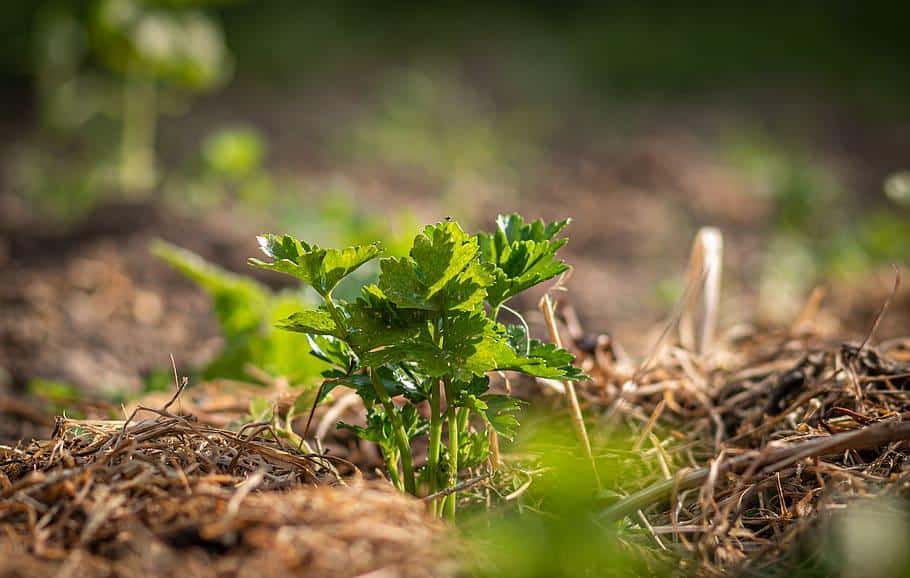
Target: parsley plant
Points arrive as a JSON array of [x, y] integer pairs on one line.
[[428, 332]]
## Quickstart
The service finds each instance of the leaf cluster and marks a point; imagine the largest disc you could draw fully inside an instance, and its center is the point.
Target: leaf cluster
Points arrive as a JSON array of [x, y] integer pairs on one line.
[[428, 324]]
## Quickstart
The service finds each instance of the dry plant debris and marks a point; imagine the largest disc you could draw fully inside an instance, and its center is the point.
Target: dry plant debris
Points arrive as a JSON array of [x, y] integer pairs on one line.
[[165, 495], [743, 449]]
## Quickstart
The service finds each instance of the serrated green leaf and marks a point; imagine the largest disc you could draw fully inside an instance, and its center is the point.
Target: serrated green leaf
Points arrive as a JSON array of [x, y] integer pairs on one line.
[[467, 291], [524, 255], [379, 426], [310, 321], [378, 429], [332, 350], [475, 387], [471, 346], [439, 273], [473, 449], [400, 283], [320, 268], [499, 412], [374, 321], [545, 360], [395, 380], [515, 229], [441, 252]]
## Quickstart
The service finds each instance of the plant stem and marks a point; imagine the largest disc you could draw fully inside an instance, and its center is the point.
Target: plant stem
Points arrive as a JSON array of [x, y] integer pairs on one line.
[[401, 437], [449, 505], [137, 146], [391, 462], [435, 441], [339, 320], [463, 414]]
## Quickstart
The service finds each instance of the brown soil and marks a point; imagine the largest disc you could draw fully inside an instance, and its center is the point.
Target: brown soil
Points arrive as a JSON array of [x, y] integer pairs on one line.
[[89, 305]]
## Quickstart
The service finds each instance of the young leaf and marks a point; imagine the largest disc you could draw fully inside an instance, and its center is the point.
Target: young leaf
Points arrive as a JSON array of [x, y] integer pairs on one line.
[[441, 252], [515, 229], [468, 291], [524, 255], [544, 360], [332, 350], [441, 258], [311, 322], [473, 449], [379, 426], [500, 412], [320, 268], [247, 312]]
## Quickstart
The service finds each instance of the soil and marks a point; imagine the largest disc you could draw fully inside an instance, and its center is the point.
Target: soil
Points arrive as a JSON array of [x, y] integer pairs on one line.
[[89, 305]]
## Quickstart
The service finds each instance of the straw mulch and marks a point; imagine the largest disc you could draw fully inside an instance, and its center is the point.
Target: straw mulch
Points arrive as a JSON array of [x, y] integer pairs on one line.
[[742, 449], [162, 494]]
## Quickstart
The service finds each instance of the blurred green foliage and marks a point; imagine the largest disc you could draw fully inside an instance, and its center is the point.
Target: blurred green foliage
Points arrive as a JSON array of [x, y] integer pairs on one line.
[[897, 188], [552, 529], [173, 42], [105, 70], [235, 153], [435, 126], [622, 47], [819, 230], [247, 313]]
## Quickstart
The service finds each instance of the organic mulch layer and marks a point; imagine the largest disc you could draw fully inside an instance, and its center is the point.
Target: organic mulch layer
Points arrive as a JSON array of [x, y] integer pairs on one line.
[[165, 495], [730, 462], [745, 453]]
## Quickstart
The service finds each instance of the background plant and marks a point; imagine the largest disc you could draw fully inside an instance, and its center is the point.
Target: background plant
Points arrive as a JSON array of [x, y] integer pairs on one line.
[[247, 312], [428, 331], [106, 71]]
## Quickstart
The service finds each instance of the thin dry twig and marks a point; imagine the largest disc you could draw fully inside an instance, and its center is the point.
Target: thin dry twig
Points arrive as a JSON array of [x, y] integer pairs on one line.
[[578, 420]]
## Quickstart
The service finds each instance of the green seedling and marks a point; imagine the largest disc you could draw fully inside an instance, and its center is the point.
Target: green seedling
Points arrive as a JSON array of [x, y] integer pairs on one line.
[[427, 333]]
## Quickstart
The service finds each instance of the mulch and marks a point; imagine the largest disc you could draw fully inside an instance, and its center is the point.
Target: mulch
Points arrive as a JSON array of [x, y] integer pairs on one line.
[[744, 452], [163, 494]]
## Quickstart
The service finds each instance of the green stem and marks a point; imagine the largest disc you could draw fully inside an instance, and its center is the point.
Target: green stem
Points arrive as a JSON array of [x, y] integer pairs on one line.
[[435, 440], [449, 505], [401, 437], [137, 161], [338, 319], [463, 414], [391, 462]]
